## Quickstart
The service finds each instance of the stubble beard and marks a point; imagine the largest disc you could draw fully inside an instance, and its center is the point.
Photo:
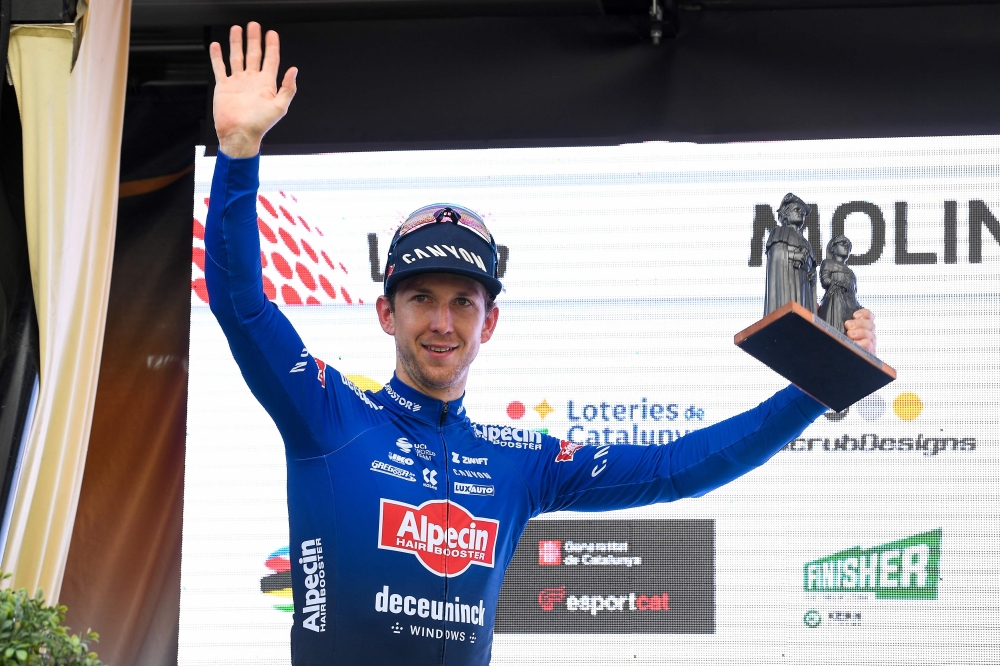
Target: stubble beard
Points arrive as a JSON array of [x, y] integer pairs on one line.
[[413, 368]]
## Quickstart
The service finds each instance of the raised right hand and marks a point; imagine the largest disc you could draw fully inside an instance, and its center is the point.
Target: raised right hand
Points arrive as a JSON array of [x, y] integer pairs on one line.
[[247, 103]]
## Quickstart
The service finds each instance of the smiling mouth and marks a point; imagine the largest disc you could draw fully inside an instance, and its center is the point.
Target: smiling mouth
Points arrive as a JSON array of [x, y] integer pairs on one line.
[[439, 350]]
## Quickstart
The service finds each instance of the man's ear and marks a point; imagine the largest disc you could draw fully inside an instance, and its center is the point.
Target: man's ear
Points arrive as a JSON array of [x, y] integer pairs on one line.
[[489, 325], [385, 316]]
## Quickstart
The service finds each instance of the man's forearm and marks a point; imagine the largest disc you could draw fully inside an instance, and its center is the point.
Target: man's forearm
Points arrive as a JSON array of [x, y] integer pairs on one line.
[[713, 456]]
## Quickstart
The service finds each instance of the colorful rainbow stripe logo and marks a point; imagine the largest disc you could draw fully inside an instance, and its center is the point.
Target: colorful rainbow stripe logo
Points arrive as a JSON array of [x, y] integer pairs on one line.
[[278, 584]]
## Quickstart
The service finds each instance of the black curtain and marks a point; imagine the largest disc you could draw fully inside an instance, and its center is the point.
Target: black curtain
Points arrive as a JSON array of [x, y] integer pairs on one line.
[[18, 325]]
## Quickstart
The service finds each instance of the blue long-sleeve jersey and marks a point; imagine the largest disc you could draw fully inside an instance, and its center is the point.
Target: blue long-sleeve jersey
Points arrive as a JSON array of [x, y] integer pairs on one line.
[[404, 514]]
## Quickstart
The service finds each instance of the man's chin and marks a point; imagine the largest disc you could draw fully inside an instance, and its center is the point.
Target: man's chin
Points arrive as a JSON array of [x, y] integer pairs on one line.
[[438, 380], [439, 377]]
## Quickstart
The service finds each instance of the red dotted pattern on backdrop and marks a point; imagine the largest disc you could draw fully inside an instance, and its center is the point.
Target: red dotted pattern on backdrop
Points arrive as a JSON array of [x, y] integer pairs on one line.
[[269, 289], [330, 290], [327, 259], [310, 252], [292, 271], [198, 257], [267, 205], [290, 296], [200, 288], [281, 265], [515, 410], [266, 231], [289, 242], [305, 276]]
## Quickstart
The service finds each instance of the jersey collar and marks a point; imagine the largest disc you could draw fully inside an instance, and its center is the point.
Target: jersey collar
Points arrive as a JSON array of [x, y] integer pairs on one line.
[[404, 399]]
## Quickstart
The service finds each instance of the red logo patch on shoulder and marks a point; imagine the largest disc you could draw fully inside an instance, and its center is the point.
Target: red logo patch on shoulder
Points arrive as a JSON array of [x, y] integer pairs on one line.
[[566, 451], [447, 541], [322, 372]]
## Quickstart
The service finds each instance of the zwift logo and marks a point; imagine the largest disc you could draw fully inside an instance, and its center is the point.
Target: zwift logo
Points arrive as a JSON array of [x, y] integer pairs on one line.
[[904, 569]]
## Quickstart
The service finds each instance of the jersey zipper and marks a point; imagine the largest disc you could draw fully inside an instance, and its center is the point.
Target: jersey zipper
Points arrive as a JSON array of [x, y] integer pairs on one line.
[[447, 517]]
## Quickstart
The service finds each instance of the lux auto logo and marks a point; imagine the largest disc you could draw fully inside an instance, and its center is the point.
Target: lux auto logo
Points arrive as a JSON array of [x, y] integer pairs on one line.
[[441, 534]]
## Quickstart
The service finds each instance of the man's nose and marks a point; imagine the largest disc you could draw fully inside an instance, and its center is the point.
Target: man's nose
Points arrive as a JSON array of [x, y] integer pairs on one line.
[[442, 320]]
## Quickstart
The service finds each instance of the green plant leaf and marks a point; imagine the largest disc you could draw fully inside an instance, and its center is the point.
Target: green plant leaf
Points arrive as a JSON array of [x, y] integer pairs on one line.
[[32, 633]]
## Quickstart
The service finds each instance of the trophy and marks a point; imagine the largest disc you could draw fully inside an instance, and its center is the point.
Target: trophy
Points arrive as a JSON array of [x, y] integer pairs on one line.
[[804, 345]]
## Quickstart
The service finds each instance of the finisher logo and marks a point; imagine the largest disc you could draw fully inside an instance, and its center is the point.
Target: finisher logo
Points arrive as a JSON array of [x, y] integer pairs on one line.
[[442, 534], [904, 569]]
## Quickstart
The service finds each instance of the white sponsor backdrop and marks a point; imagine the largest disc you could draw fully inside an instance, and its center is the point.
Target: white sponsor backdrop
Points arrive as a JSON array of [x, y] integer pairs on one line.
[[627, 278]]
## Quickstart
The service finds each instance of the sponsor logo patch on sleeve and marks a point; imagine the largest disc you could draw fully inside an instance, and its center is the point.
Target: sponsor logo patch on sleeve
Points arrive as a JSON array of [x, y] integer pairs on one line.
[[322, 372], [567, 450]]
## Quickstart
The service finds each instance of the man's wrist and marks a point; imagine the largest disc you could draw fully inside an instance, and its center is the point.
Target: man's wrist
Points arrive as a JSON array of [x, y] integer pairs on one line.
[[239, 147]]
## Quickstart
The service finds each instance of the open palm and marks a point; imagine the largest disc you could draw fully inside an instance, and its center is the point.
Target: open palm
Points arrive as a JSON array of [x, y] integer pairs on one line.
[[247, 103]]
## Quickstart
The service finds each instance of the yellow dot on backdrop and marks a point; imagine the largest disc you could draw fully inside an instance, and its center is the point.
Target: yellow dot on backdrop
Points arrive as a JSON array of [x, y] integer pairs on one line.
[[543, 408], [365, 383], [907, 406]]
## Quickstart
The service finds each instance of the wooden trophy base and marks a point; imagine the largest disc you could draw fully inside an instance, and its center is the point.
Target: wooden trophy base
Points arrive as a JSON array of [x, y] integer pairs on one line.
[[814, 356]]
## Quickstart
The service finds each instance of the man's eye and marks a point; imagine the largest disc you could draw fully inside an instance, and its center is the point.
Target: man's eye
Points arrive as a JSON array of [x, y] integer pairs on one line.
[[420, 298], [464, 301]]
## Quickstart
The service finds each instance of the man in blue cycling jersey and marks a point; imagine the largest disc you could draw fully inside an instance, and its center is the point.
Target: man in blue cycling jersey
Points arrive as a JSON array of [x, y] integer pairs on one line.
[[388, 527]]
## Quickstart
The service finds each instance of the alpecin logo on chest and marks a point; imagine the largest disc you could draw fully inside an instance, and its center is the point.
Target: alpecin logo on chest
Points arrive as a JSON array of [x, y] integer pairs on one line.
[[446, 540]]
